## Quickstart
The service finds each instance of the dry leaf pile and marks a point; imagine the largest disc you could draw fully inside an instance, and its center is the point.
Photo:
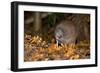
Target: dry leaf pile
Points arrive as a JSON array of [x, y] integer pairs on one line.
[[36, 49]]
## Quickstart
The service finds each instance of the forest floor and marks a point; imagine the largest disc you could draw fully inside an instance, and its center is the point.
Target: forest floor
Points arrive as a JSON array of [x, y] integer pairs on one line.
[[36, 49]]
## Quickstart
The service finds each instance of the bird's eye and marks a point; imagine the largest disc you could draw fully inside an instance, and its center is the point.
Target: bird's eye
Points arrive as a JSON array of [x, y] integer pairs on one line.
[[60, 36]]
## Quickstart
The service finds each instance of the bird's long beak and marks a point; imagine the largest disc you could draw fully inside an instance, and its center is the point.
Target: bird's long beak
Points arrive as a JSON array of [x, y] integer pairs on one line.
[[57, 42]]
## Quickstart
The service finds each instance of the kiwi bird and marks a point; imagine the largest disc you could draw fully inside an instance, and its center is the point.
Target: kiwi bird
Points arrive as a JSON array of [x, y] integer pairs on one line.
[[66, 32]]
